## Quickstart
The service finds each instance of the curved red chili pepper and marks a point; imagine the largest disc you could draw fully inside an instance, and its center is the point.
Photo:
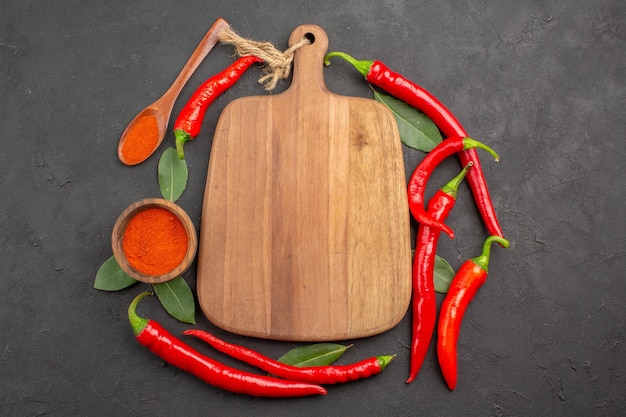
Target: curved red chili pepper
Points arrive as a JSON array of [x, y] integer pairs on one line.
[[421, 174], [424, 303], [313, 374], [469, 278], [190, 118], [400, 87], [163, 344]]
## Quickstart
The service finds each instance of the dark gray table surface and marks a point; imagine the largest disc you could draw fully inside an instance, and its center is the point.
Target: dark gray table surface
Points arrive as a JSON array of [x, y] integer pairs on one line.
[[543, 82]]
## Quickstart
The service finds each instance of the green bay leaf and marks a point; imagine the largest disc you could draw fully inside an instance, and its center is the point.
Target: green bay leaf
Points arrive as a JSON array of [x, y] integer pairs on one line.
[[416, 130], [317, 354], [172, 175], [110, 277], [177, 299], [443, 275]]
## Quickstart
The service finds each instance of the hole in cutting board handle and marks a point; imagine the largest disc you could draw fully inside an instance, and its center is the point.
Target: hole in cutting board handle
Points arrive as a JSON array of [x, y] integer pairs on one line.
[[310, 37]]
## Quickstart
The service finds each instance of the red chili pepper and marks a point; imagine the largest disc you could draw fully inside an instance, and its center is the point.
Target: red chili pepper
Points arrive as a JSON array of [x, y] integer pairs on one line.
[[313, 374], [189, 121], [163, 344], [398, 86], [469, 278], [424, 303], [421, 174]]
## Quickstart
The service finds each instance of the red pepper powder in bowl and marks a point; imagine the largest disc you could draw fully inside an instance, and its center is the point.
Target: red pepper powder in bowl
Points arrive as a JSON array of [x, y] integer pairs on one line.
[[155, 241]]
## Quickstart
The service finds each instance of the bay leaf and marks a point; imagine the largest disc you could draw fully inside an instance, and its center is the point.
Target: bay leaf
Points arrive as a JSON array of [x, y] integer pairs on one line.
[[416, 130], [177, 299], [172, 175], [317, 354], [443, 275], [110, 277]]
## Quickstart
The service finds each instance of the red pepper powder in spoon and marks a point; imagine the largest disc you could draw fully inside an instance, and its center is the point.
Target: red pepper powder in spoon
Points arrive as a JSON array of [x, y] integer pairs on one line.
[[155, 241], [140, 140]]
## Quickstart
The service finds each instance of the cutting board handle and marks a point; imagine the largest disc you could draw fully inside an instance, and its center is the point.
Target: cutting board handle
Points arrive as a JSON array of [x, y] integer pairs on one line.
[[308, 65]]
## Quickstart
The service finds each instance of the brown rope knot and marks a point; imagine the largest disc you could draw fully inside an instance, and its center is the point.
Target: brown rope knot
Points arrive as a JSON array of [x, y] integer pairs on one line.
[[277, 63]]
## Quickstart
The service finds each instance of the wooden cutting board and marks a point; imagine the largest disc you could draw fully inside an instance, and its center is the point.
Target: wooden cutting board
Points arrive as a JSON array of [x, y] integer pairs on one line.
[[305, 223]]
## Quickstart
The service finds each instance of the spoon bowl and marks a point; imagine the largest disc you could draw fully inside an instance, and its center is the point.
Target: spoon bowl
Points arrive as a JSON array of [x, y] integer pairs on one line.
[[161, 109], [158, 111]]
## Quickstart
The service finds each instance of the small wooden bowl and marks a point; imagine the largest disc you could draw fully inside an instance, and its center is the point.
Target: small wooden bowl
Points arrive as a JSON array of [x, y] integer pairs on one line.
[[120, 227]]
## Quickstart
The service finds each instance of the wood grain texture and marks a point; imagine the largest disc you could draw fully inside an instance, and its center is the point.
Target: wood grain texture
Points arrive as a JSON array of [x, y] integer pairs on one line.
[[305, 222]]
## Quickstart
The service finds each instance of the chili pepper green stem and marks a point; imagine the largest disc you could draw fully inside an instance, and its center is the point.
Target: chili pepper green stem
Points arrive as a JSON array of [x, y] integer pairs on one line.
[[385, 360], [470, 143], [451, 188], [181, 137], [137, 323], [483, 259], [362, 66]]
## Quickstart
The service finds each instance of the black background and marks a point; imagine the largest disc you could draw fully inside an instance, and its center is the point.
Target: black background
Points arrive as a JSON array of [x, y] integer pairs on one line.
[[543, 82]]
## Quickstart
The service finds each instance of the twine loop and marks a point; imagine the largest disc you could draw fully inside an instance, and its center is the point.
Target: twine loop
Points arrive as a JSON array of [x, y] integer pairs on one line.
[[277, 64]]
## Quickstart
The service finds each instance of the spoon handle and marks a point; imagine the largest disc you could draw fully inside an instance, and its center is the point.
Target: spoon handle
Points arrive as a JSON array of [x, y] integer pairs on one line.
[[204, 47]]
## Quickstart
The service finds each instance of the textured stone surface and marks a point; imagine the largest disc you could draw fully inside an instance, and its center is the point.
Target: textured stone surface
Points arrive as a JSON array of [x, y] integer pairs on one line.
[[544, 83]]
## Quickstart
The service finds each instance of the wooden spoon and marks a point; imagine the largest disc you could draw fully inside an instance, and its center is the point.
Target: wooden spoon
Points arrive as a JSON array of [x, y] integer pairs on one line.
[[162, 108]]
